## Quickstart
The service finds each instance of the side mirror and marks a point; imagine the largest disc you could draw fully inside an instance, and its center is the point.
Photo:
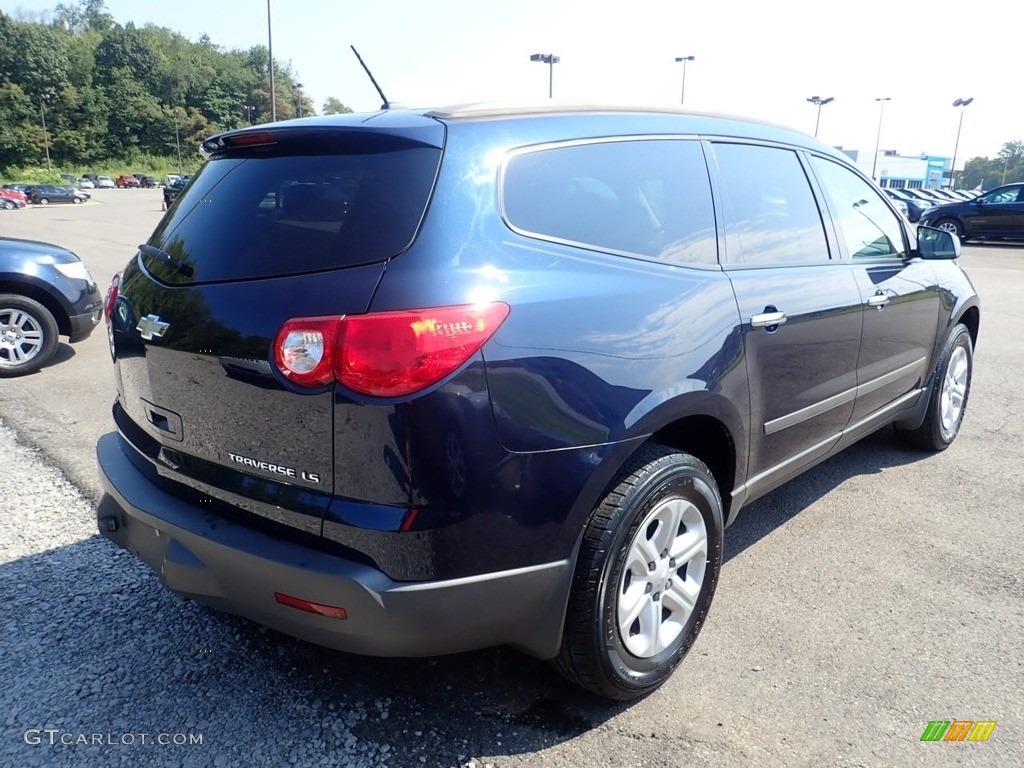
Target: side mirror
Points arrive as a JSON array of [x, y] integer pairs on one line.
[[936, 244]]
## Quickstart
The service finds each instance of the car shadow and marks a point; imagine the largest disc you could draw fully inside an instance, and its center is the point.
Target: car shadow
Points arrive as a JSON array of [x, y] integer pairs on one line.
[[873, 454]]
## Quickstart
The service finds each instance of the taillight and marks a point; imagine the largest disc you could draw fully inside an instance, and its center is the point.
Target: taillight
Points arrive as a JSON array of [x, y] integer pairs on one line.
[[304, 350], [385, 354], [112, 290]]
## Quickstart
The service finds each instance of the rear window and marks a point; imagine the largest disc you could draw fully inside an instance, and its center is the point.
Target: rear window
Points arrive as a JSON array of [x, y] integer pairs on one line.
[[273, 215]]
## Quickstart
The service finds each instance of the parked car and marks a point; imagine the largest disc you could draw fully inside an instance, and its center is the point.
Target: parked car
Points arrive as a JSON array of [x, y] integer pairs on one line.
[[104, 182], [12, 198], [84, 183], [172, 190], [444, 380], [170, 179], [45, 292], [44, 194], [149, 182], [998, 214], [915, 206], [126, 180]]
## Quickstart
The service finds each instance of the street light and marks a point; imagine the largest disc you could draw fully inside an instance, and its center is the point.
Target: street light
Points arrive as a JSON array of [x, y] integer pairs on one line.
[[248, 112], [878, 138], [550, 59], [819, 102], [952, 168], [46, 137], [270, 50], [684, 59], [298, 99]]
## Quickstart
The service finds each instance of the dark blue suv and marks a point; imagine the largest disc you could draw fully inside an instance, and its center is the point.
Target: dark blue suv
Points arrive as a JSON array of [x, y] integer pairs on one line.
[[420, 382]]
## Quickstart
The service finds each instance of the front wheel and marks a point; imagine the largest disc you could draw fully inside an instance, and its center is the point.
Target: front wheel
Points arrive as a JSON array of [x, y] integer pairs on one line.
[[8, 205], [952, 226], [947, 401], [43, 201], [76, 200], [28, 335], [645, 575]]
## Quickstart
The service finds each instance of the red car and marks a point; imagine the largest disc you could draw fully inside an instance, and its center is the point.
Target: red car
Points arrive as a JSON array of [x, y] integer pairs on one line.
[[126, 180], [12, 198]]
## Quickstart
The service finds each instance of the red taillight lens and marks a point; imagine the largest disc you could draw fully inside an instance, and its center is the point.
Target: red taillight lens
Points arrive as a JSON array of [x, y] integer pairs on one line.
[[391, 354], [304, 350], [108, 306], [386, 354]]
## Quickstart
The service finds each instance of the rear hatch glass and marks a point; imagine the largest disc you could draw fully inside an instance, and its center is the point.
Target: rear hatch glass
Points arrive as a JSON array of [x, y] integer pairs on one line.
[[293, 209]]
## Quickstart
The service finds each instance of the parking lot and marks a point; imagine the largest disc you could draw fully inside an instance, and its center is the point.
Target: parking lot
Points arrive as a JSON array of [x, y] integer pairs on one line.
[[878, 592]]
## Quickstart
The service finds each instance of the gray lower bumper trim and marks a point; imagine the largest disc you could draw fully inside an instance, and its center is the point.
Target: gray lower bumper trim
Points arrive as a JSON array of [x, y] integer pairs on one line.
[[238, 570]]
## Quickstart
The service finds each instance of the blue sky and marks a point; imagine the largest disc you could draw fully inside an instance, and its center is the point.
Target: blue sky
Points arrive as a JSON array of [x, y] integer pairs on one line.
[[758, 59]]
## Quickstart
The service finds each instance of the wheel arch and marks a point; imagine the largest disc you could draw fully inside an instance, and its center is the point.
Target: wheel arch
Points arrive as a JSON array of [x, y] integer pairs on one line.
[[38, 293]]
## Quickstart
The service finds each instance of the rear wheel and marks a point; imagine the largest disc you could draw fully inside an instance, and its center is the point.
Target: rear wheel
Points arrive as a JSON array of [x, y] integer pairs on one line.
[[28, 335], [76, 200], [43, 201], [9, 205], [947, 402], [645, 575]]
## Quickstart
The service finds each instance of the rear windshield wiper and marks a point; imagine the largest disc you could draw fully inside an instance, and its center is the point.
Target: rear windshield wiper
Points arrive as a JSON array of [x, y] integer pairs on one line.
[[180, 267]]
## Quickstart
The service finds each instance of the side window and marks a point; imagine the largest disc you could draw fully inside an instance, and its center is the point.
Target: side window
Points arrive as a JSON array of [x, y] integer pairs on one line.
[[770, 213], [649, 198], [1003, 196], [866, 225]]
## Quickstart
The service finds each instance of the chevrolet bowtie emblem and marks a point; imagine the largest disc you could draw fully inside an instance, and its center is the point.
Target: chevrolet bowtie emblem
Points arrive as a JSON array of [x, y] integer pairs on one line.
[[150, 326]]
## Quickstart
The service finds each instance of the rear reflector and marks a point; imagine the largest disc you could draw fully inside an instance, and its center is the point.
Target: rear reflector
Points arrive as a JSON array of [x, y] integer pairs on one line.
[[385, 354], [330, 611]]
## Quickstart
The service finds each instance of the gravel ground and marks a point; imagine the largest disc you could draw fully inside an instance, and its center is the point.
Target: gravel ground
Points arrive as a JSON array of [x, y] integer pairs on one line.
[[80, 663]]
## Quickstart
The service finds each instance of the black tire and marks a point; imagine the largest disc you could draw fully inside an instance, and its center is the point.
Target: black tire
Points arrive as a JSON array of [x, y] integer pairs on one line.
[[596, 654], [951, 225], [43, 201], [952, 379], [9, 205], [20, 355], [76, 200]]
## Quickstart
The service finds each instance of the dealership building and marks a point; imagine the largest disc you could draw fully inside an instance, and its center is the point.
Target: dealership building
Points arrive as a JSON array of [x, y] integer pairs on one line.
[[896, 171]]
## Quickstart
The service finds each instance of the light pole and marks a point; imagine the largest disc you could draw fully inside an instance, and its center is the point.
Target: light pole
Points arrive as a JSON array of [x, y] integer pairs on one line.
[[682, 93], [248, 112], [550, 59], [878, 138], [270, 50], [46, 137], [952, 168], [298, 99], [819, 103]]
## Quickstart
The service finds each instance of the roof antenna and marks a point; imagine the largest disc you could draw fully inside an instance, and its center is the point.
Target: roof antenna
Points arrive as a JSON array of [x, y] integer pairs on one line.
[[387, 104]]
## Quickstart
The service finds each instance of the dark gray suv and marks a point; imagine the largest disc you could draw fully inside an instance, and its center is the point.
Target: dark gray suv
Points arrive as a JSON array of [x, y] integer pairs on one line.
[[45, 292], [420, 382]]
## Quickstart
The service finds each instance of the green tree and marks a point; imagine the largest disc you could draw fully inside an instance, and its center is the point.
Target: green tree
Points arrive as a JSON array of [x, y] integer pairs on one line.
[[334, 106]]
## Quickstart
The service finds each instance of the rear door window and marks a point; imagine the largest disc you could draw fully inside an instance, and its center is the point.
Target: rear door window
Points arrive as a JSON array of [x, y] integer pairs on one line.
[[770, 213], [267, 215], [648, 198]]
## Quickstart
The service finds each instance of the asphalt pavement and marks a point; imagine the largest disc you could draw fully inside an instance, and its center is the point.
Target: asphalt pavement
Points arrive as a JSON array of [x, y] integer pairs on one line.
[[876, 593]]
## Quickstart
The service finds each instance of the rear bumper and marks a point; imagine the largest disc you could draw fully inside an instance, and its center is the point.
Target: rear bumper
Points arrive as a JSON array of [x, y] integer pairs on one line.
[[237, 569]]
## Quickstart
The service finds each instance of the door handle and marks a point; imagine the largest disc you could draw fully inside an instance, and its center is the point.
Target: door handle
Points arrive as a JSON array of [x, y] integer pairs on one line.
[[770, 320], [878, 300]]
